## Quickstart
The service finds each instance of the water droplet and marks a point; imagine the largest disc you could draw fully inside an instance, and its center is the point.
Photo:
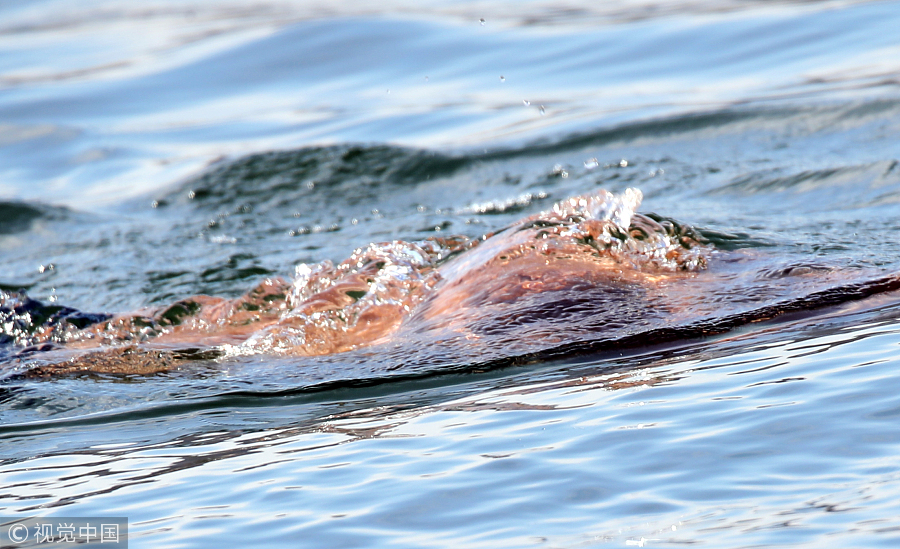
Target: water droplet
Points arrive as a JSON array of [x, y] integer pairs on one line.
[[623, 163], [527, 102], [191, 195], [310, 185], [154, 204], [426, 79], [354, 221], [542, 110], [502, 78], [481, 21], [388, 90], [591, 163]]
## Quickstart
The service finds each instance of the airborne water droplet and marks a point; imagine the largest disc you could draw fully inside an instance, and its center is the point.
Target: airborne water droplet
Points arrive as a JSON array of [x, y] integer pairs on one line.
[[542, 110], [502, 78], [481, 21], [527, 102]]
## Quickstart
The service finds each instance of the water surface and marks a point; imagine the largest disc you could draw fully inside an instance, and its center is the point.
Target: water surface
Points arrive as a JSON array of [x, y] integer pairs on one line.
[[157, 151]]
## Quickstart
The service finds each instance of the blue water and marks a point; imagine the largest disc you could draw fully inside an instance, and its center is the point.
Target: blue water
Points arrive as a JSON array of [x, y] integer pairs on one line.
[[127, 180]]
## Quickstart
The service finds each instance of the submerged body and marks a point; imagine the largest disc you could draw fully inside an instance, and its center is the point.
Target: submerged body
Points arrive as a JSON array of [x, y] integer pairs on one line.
[[588, 270]]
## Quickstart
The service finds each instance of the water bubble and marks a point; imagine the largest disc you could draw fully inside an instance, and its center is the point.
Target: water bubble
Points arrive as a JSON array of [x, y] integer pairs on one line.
[[481, 21], [502, 78]]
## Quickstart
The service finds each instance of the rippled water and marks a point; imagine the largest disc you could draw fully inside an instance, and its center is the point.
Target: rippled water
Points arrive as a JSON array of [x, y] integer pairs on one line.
[[158, 150]]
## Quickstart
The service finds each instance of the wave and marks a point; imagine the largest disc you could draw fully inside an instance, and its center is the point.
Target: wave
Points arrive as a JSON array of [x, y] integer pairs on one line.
[[871, 175], [18, 217], [354, 172]]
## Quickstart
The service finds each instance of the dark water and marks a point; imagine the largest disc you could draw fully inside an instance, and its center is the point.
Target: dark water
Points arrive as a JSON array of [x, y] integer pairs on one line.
[[154, 151]]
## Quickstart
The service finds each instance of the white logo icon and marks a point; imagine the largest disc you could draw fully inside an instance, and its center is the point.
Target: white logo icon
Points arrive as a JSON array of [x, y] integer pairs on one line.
[[18, 533]]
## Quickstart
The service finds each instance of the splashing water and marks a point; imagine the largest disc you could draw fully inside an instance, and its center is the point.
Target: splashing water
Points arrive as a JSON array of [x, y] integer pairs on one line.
[[370, 296], [335, 308]]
